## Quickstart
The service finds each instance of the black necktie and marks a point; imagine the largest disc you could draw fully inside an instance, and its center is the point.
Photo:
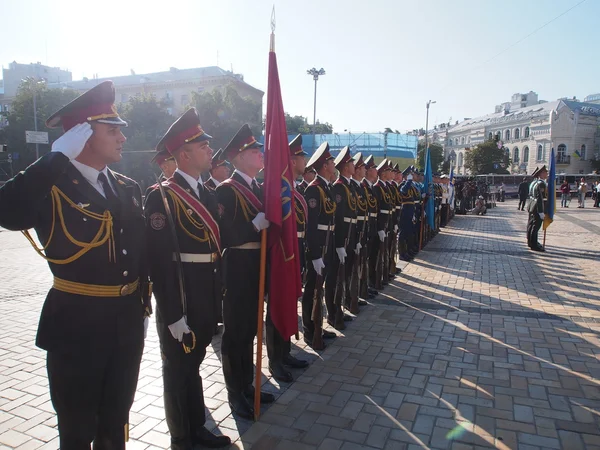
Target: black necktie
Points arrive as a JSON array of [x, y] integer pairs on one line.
[[200, 190], [113, 200], [255, 188]]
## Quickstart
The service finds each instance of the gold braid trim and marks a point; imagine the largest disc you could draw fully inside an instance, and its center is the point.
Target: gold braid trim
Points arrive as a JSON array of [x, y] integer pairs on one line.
[[300, 219], [180, 206], [328, 206], [351, 199], [104, 234], [362, 205], [371, 200], [386, 197], [244, 205]]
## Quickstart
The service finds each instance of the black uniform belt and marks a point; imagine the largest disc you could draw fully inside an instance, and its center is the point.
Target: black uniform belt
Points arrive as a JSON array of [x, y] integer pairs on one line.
[[95, 290], [248, 246], [197, 257]]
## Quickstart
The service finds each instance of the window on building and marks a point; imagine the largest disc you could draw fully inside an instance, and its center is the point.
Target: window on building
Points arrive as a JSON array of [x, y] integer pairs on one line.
[[525, 155], [460, 160], [540, 153], [201, 89], [582, 152], [516, 155], [462, 140], [184, 99], [168, 95], [490, 136], [561, 154], [517, 133], [507, 135], [526, 132], [498, 136]]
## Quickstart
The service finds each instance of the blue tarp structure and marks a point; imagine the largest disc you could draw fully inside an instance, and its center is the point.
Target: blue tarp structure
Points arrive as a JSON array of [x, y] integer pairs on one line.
[[398, 145]]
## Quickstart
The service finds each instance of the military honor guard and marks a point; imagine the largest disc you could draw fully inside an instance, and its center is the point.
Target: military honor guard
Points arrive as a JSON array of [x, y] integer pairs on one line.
[[167, 165], [406, 243], [219, 170], [536, 207], [368, 184], [184, 246], [337, 282], [242, 219], [320, 227], [307, 177], [359, 285], [89, 221], [384, 220]]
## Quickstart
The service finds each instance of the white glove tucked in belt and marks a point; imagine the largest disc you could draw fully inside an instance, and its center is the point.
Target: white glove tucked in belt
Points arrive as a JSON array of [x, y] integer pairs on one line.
[[260, 222], [358, 247], [178, 329], [72, 142]]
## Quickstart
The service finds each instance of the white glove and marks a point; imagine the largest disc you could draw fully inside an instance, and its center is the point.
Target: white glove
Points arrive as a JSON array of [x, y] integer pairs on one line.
[[319, 265], [178, 329], [72, 142], [341, 252], [260, 222], [146, 322], [381, 234], [358, 247], [423, 195], [395, 228], [542, 215]]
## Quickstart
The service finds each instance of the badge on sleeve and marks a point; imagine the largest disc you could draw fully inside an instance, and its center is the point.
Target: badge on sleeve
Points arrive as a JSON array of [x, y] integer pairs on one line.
[[338, 198], [221, 209], [157, 221], [312, 202]]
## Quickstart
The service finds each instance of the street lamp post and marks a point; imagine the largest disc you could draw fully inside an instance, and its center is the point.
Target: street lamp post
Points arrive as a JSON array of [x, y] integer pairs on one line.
[[427, 127], [315, 74]]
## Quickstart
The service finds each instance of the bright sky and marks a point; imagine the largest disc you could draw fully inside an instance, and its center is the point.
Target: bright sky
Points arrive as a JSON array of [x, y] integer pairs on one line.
[[384, 58]]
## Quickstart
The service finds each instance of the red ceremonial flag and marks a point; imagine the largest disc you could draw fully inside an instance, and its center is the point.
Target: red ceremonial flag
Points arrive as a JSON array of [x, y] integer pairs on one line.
[[282, 240]]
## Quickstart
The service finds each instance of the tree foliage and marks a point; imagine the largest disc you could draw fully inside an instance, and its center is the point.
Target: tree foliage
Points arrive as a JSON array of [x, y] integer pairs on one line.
[[487, 158], [20, 119], [147, 119], [300, 125], [222, 114], [437, 155]]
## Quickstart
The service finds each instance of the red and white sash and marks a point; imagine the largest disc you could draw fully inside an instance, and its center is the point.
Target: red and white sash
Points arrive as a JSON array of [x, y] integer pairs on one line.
[[246, 193], [196, 205], [298, 197]]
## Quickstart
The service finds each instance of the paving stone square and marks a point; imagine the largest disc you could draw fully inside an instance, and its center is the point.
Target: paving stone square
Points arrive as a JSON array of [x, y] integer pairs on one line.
[[478, 343]]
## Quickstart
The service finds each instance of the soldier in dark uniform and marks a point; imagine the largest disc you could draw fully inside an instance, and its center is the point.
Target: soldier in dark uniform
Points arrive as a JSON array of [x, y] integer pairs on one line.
[[307, 177], [320, 226], [418, 196], [167, 165], [384, 202], [523, 194], [536, 208], [219, 170], [368, 184], [395, 195], [362, 233], [195, 237], [407, 217], [345, 241], [242, 219], [90, 223]]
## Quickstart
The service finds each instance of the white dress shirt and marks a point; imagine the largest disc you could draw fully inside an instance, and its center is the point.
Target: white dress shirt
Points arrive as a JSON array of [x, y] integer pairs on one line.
[[191, 181], [246, 178], [91, 175], [217, 183]]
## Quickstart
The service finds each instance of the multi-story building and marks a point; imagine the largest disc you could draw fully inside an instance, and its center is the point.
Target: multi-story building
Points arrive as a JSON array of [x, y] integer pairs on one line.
[[529, 133], [173, 87], [594, 98]]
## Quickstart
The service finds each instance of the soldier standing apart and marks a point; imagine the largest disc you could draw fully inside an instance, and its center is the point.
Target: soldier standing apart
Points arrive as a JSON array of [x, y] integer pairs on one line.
[[185, 248], [90, 222], [278, 349], [242, 219], [537, 192], [319, 238], [219, 170], [345, 241], [523, 193]]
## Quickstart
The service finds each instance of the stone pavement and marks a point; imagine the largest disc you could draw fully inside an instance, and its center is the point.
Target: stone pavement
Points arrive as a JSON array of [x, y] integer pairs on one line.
[[480, 343]]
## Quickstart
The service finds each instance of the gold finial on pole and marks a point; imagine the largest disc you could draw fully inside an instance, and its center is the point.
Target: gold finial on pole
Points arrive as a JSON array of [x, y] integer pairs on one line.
[[273, 23]]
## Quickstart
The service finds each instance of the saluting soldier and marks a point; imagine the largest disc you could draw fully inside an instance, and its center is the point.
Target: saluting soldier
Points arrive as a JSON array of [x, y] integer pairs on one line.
[[90, 223], [219, 170], [337, 284], [278, 349], [184, 251], [308, 175], [536, 208], [242, 219], [320, 226], [384, 202], [368, 184]]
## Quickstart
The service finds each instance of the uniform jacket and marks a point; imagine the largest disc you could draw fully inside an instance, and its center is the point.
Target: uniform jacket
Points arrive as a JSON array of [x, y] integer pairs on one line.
[[344, 193], [321, 212]]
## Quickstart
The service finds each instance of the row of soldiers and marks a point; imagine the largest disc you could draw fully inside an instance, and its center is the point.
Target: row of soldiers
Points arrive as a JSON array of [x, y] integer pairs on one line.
[[194, 244]]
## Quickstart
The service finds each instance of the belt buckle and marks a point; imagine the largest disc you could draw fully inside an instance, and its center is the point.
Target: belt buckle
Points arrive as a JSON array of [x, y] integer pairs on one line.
[[123, 290]]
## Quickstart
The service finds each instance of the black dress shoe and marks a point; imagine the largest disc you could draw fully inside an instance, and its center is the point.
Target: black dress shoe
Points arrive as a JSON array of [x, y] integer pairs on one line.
[[371, 296], [240, 405], [309, 342], [329, 334], [210, 440], [362, 302], [279, 373], [348, 318], [290, 361], [373, 291], [265, 397]]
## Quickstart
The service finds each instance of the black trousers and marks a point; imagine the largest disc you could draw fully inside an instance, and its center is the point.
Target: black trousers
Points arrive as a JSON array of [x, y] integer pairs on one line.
[[533, 227], [331, 284], [92, 393], [240, 314], [277, 346], [522, 201], [373, 248], [308, 297]]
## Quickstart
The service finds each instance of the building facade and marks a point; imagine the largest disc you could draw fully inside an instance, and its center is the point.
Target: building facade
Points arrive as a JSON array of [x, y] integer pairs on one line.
[[529, 133]]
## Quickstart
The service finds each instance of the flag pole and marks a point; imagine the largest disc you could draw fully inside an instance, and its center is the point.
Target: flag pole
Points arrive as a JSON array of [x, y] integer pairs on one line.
[[544, 242], [259, 329]]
